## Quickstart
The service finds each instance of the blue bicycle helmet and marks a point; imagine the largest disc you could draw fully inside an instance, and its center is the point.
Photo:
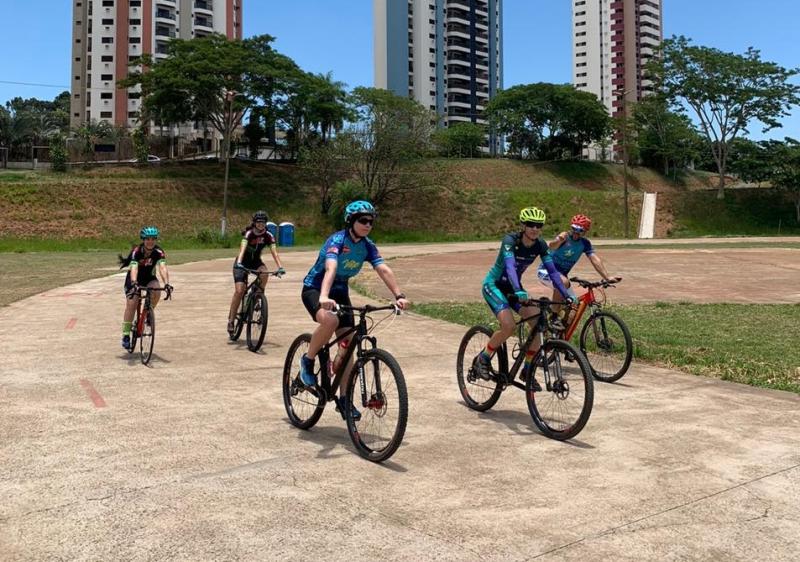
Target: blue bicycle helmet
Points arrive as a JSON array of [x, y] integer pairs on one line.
[[148, 232], [357, 208]]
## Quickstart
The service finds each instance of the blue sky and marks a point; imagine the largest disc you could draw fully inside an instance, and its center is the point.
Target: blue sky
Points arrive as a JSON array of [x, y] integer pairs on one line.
[[336, 35]]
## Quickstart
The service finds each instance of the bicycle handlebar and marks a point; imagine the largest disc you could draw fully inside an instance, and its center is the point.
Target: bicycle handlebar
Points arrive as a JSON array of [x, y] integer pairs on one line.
[[137, 288], [257, 272], [366, 309], [604, 283]]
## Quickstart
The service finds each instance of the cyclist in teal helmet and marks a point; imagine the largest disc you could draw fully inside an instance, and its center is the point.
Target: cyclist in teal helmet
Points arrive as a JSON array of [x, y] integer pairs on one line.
[[142, 263], [326, 285]]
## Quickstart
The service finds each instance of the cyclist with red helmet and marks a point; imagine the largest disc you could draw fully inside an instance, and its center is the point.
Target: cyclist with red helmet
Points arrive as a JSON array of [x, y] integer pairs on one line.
[[567, 248], [142, 262], [255, 238], [327, 284]]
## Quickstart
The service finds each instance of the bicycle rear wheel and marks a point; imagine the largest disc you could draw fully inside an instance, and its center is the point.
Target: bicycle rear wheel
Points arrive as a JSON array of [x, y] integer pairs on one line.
[[304, 405], [148, 336], [607, 343], [383, 402], [257, 316], [563, 406], [238, 322], [478, 394]]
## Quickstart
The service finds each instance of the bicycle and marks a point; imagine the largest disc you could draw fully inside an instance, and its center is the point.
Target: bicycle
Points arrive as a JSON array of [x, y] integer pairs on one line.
[[143, 328], [561, 408], [376, 385], [253, 311], [604, 338]]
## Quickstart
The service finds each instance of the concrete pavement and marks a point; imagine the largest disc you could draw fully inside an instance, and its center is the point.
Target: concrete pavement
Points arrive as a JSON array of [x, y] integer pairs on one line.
[[193, 458]]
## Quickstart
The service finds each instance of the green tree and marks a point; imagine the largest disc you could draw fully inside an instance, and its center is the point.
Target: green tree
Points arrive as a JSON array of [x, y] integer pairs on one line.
[[141, 148], [547, 121], [750, 160], [254, 132], [387, 145], [91, 133], [460, 139], [663, 138], [726, 92], [785, 174], [325, 165]]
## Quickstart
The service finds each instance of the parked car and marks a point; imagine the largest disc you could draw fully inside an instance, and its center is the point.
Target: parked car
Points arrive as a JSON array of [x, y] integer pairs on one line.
[[151, 159]]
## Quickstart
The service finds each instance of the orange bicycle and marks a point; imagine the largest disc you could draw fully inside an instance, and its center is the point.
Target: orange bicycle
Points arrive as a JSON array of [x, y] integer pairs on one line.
[[604, 339]]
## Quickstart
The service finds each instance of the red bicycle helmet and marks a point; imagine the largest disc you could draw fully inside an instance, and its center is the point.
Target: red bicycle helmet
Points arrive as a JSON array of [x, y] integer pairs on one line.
[[583, 221]]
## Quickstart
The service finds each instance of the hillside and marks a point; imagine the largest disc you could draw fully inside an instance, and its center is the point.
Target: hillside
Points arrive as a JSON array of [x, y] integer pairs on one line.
[[104, 207]]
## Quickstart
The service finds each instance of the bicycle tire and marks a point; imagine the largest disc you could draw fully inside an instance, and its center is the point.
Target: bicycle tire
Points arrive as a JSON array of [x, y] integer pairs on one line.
[[380, 409], [238, 322], [548, 407], [478, 394], [148, 337], [304, 405], [258, 315], [134, 332], [597, 341]]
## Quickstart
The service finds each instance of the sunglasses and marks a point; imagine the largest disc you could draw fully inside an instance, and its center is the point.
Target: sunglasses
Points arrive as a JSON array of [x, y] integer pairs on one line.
[[260, 222], [365, 221], [530, 224], [577, 228]]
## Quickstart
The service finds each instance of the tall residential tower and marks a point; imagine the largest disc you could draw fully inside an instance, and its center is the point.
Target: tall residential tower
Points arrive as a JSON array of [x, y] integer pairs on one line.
[[445, 54], [612, 41], [107, 34]]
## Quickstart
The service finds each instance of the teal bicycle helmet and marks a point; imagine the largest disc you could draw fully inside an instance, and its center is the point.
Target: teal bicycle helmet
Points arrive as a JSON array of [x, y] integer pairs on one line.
[[148, 232], [358, 208]]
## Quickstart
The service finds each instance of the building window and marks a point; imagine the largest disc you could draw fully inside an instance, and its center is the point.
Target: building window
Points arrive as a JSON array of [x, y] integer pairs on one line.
[[580, 23], [108, 3], [580, 13], [134, 95], [106, 96], [134, 40], [108, 21], [107, 40], [133, 114], [136, 3], [106, 77], [581, 85], [105, 115], [580, 34], [581, 54], [107, 58], [580, 64], [136, 21]]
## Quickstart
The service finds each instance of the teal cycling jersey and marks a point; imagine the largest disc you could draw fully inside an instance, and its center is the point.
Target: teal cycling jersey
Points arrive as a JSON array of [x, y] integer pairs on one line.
[[570, 251], [513, 259], [349, 255]]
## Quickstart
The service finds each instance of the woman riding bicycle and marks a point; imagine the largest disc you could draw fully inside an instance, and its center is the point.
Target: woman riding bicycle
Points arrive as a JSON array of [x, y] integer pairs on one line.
[[254, 239], [503, 290], [326, 285], [141, 263], [567, 248]]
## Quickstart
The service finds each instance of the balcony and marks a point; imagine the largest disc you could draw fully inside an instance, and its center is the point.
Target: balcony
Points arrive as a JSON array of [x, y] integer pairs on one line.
[[205, 6], [168, 3], [204, 24], [164, 33], [165, 17]]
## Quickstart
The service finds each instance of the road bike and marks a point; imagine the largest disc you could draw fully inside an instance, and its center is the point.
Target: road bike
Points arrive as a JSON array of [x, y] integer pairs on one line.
[[376, 386], [562, 406], [143, 329], [253, 311], [604, 339]]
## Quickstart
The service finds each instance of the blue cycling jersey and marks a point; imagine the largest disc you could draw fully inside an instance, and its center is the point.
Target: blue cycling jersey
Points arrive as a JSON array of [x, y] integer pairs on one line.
[[349, 255], [570, 251], [513, 259]]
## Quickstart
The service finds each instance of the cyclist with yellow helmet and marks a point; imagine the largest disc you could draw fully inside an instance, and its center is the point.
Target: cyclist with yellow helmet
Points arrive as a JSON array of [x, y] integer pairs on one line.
[[142, 262], [502, 287]]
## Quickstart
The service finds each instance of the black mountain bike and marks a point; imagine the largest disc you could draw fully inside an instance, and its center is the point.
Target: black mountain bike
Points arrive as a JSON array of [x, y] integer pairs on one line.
[[376, 387], [143, 329], [253, 312], [562, 406]]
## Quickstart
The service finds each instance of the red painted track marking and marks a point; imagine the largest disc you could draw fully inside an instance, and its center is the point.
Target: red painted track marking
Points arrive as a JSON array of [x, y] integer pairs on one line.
[[93, 394], [71, 323]]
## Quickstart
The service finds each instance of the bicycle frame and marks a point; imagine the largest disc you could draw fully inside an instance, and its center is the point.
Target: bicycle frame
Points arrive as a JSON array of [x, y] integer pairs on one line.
[[584, 301], [539, 331]]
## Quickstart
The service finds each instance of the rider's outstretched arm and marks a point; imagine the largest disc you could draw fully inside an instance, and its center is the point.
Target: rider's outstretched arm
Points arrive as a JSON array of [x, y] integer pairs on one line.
[[600, 267], [387, 276], [555, 277]]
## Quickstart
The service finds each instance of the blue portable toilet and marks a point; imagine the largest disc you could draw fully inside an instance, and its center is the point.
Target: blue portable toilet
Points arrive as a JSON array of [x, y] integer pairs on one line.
[[273, 229], [286, 234]]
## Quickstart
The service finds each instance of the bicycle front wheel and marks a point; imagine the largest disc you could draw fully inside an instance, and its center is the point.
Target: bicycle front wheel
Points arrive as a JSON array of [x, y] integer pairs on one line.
[[478, 394], [257, 322], [377, 389], [148, 336], [563, 406], [607, 344], [304, 405]]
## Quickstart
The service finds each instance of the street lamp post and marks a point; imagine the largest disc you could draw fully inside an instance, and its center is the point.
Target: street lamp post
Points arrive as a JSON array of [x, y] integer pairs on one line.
[[626, 219], [229, 95]]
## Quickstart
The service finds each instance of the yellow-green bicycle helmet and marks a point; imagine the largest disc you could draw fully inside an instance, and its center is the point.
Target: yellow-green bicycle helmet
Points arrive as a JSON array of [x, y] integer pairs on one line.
[[532, 214]]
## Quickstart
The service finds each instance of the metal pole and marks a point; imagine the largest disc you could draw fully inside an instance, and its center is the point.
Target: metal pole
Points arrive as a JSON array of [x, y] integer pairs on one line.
[[626, 221], [227, 167]]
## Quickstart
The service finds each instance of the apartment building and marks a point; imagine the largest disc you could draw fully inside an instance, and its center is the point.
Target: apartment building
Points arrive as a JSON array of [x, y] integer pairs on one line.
[[445, 54], [108, 34], [611, 44]]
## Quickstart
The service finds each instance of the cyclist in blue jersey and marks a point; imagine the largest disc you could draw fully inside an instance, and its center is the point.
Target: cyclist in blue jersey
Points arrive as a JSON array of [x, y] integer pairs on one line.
[[326, 285], [567, 248], [503, 290]]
